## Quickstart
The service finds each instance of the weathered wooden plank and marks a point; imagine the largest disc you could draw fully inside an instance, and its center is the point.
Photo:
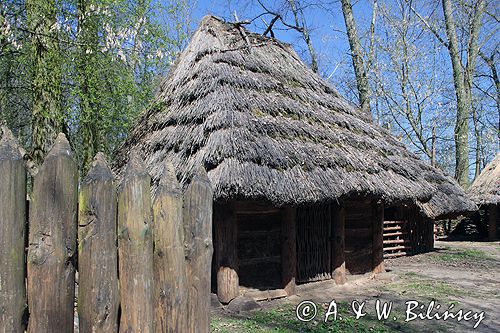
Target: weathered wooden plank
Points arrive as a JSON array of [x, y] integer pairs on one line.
[[378, 232], [338, 245], [261, 295], [135, 249], [170, 286], [12, 225], [199, 249], [225, 252], [52, 242], [98, 297], [289, 249]]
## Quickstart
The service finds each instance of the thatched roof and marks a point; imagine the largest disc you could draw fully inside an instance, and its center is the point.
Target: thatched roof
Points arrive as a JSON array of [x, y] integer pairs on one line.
[[485, 190], [266, 127]]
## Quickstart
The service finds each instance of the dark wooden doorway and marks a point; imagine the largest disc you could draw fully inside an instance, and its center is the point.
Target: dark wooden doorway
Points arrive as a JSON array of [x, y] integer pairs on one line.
[[358, 237], [259, 250]]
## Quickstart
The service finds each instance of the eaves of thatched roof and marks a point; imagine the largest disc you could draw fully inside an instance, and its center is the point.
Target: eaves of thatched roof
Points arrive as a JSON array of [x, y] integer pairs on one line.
[[485, 190], [266, 127]]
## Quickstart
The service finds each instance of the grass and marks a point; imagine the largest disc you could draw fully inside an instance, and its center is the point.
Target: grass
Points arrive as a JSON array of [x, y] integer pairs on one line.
[[283, 320], [462, 255], [416, 285]]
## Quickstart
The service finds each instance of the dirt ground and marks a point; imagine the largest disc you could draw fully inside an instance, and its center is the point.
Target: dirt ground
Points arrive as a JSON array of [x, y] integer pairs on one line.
[[457, 275]]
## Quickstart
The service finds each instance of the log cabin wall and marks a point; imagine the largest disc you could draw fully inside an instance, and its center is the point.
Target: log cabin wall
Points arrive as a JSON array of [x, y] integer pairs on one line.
[[254, 250], [493, 222], [407, 232], [359, 236], [420, 230]]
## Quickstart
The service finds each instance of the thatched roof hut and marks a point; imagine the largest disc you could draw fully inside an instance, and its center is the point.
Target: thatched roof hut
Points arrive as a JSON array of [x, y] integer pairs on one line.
[[485, 190], [266, 127], [300, 175]]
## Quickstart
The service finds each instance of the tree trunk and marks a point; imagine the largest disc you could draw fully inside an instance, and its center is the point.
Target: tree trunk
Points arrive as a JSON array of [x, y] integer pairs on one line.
[[357, 57], [88, 83], [305, 34], [47, 115], [462, 80]]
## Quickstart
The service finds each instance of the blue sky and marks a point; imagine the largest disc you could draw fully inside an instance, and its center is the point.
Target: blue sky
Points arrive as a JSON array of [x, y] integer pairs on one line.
[[327, 27]]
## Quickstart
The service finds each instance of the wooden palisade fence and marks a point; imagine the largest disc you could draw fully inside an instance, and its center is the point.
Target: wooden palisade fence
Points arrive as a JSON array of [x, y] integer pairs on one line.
[[143, 264]]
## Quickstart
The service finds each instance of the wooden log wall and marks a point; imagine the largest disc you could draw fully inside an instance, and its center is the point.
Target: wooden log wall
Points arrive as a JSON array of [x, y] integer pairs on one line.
[[420, 230], [289, 249], [377, 241], [338, 244], [493, 222], [359, 236], [149, 274], [226, 257]]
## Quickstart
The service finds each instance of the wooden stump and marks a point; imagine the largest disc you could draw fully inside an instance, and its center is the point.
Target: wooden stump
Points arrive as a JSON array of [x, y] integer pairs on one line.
[[12, 225], [199, 250], [170, 287], [135, 249], [289, 249], [52, 242], [98, 297], [338, 244], [378, 237], [226, 236]]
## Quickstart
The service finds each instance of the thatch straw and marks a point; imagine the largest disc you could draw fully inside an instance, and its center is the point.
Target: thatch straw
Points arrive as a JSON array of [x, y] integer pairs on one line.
[[485, 190], [266, 127]]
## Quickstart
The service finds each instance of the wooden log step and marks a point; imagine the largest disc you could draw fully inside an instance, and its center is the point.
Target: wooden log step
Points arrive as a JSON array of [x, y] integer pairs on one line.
[[393, 234], [395, 241], [395, 255], [397, 248], [394, 222], [395, 228]]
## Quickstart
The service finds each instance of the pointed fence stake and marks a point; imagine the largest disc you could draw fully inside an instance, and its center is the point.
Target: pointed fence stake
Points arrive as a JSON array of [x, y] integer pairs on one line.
[[52, 242], [12, 225], [98, 297]]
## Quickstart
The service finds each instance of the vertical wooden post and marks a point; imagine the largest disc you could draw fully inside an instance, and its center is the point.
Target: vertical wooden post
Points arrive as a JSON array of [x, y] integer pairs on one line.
[[12, 225], [226, 235], [170, 286], [135, 249], [289, 249], [492, 222], [98, 297], [52, 242], [199, 249], [338, 244], [378, 237]]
